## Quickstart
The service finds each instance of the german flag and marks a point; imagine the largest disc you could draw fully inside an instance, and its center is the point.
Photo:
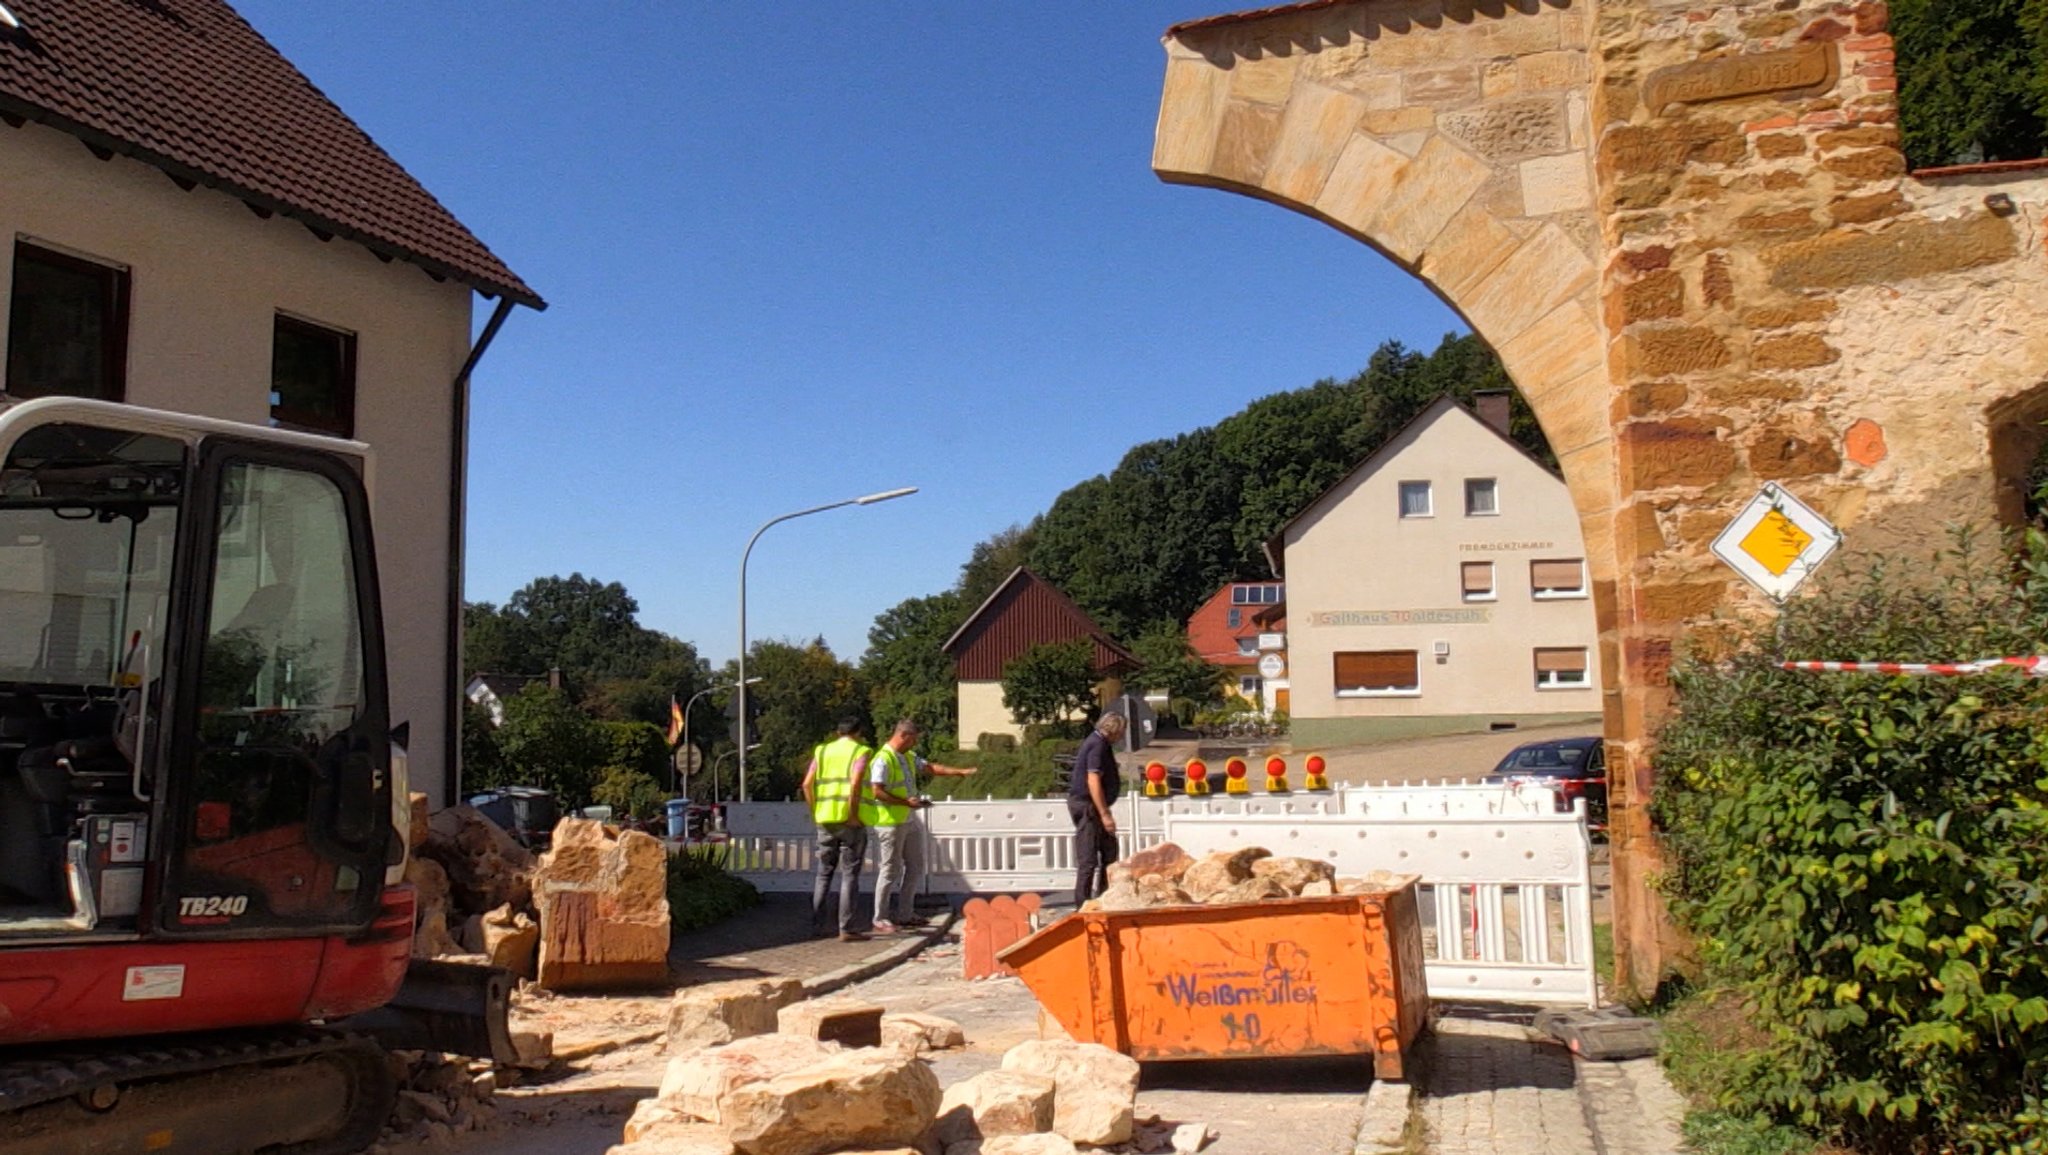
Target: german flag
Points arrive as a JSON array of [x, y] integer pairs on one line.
[[675, 722]]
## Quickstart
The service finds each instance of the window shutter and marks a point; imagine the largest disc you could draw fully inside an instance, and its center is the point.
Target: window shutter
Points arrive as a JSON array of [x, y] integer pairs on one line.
[[1378, 670], [1557, 575], [1561, 661], [1478, 577]]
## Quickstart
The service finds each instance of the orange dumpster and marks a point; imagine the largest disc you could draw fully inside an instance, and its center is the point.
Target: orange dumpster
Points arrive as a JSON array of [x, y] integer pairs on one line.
[[1302, 976]]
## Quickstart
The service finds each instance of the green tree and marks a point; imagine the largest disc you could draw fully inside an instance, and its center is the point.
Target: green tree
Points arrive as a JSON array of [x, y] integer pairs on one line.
[[1173, 666], [483, 763], [1050, 683], [633, 768], [548, 742], [908, 674], [804, 691], [989, 563], [1973, 79]]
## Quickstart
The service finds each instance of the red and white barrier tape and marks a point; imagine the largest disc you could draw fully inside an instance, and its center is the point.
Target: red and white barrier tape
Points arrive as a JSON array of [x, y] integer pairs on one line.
[[2034, 667]]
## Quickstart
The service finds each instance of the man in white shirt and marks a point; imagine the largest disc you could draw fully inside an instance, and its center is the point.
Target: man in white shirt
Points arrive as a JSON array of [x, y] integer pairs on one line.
[[889, 809]]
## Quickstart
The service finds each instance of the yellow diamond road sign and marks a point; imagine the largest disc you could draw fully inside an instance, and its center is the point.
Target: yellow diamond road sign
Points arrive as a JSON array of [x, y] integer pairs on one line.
[[1776, 541]]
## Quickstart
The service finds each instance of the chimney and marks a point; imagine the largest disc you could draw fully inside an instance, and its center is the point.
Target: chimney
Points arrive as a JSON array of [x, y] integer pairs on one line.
[[1492, 406]]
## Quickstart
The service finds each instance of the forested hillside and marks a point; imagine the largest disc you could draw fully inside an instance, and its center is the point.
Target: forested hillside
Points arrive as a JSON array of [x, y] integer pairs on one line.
[[1140, 547]]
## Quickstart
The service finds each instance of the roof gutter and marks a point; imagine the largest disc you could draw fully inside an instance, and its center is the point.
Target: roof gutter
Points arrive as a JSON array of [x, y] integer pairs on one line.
[[458, 504]]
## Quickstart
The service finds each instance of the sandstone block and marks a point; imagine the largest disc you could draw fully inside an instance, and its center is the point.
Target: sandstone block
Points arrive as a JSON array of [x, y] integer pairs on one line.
[[995, 1103], [1215, 873], [1541, 274], [847, 1021], [1869, 164], [697, 1078], [1780, 146], [1312, 132], [927, 1032], [1777, 452], [1509, 130], [1656, 297], [663, 1128], [853, 1099], [430, 936], [1322, 888], [486, 866], [1293, 873], [1653, 398], [1165, 859], [536, 1049], [1679, 601], [1555, 184], [1717, 281], [1256, 889], [510, 940], [1900, 252], [1669, 146], [1681, 451], [1669, 352], [1041, 1144], [1121, 895], [1245, 140], [1097, 1088], [721, 1012], [1189, 112], [1863, 210], [1795, 351], [603, 902], [416, 829]]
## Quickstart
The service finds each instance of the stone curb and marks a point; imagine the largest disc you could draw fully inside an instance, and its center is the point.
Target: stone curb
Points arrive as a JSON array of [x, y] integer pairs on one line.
[[878, 962], [1384, 1125]]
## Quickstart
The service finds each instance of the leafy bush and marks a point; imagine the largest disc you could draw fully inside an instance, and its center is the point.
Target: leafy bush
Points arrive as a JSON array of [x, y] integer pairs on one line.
[[1861, 858], [1027, 773], [700, 890], [997, 743]]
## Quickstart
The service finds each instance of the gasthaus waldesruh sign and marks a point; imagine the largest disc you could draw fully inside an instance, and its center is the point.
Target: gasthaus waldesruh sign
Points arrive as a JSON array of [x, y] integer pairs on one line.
[[1776, 541]]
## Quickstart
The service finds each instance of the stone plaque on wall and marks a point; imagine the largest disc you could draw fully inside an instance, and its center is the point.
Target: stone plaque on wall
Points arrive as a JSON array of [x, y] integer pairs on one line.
[[1809, 69]]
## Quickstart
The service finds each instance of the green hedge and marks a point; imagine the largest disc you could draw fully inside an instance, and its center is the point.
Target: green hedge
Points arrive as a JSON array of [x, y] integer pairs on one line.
[[1020, 773], [1861, 859], [700, 890]]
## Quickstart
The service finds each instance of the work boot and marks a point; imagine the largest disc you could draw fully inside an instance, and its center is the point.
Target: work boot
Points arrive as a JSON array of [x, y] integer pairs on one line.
[[852, 936]]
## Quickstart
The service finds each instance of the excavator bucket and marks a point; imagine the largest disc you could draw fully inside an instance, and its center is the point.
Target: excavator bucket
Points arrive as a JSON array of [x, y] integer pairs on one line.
[[453, 1008]]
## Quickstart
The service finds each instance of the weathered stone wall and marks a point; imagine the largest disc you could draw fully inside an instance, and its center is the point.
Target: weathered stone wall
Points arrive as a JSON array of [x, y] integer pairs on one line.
[[1687, 227]]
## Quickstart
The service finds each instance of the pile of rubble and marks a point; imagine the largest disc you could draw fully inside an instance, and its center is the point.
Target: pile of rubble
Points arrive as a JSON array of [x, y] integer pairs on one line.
[[756, 1070], [591, 913], [1166, 875]]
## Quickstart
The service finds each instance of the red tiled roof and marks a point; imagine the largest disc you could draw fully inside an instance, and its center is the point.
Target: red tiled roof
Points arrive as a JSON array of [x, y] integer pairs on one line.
[[190, 87], [1254, 14]]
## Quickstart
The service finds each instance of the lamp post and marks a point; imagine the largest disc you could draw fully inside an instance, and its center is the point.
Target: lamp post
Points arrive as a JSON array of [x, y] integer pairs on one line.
[[693, 701], [870, 499]]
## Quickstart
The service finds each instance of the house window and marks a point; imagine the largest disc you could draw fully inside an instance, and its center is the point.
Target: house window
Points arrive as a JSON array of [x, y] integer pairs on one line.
[[1258, 595], [1558, 579], [1236, 617], [312, 378], [67, 327], [1560, 668], [1377, 673], [1248, 685], [1415, 500], [1482, 497], [1477, 577], [1248, 647]]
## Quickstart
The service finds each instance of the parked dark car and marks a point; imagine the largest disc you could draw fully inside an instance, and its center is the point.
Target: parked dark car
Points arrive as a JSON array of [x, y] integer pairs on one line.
[[527, 813], [1576, 766]]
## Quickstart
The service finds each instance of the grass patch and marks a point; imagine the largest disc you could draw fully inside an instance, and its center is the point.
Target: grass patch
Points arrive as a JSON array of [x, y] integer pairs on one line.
[[1705, 1031], [702, 892], [1719, 1133], [1603, 954]]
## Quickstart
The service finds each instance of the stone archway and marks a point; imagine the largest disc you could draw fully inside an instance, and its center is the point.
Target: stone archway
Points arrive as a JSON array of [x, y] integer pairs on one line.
[[1689, 233]]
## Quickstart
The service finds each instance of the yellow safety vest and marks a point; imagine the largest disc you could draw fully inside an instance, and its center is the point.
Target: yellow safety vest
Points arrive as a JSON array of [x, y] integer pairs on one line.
[[833, 789], [896, 779]]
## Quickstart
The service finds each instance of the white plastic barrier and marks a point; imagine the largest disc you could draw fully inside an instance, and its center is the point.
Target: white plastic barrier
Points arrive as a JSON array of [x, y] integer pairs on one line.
[[1507, 892]]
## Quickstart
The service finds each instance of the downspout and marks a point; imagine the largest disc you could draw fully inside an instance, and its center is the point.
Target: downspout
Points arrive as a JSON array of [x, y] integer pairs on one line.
[[458, 501]]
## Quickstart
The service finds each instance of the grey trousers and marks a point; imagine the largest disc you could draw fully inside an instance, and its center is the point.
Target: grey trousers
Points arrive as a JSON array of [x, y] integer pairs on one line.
[[899, 868], [840, 847]]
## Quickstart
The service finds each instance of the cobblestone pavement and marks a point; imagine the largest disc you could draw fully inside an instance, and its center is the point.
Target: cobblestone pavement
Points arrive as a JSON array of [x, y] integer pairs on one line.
[[775, 939], [1492, 1089]]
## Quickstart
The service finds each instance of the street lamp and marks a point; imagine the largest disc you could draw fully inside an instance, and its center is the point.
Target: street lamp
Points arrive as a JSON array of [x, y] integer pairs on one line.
[[870, 499], [693, 701]]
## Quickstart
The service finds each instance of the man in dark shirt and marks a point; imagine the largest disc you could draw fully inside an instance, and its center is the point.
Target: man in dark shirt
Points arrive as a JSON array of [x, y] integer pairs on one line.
[[1091, 799]]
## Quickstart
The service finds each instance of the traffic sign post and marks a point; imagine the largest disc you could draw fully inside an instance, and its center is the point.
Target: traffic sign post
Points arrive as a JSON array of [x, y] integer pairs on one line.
[[1776, 542]]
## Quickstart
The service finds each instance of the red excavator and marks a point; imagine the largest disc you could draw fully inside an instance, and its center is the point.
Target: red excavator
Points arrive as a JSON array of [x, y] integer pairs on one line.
[[204, 935]]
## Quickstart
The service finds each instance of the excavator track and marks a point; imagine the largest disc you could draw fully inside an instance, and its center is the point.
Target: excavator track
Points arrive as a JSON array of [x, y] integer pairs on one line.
[[294, 1092]]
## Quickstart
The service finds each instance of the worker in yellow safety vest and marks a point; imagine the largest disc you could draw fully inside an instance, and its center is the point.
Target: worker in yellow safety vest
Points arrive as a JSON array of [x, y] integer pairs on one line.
[[832, 785], [890, 810]]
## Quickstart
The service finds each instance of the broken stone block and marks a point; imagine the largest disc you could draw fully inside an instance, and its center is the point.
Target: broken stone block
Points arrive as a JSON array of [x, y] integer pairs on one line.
[[1218, 872], [1122, 895], [416, 828], [1294, 873], [430, 937], [1318, 890], [697, 1078], [1097, 1087], [721, 1012], [1254, 889], [652, 1130], [536, 1049], [486, 866], [603, 902], [995, 1103], [1190, 1138], [1157, 890], [1048, 1143], [1376, 882], [852, 1099], [510, 940], [848, 1022], [927, 1032], [1166, 860]]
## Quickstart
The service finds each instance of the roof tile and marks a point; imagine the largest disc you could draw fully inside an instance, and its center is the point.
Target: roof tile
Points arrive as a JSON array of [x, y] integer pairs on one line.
[[189, 86]]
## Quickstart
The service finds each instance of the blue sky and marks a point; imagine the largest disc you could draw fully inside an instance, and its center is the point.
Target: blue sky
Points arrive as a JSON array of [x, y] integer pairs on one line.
[[797, 252]]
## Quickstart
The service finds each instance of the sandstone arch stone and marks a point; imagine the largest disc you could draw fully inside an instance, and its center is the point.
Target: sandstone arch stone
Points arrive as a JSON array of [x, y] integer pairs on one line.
[[1688, 230]]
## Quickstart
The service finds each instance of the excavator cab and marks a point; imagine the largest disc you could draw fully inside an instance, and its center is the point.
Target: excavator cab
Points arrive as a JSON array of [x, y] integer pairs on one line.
[[194, 737]]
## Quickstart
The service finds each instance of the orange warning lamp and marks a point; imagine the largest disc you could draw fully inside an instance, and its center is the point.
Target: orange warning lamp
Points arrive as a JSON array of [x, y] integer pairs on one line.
[[1314, 770], [1198, 776], [1235, 770], [1155, 780], [1276, 775]]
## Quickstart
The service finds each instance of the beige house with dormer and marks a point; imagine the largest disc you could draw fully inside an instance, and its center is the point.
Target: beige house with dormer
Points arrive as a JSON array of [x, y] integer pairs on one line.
[[1441, 586]]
